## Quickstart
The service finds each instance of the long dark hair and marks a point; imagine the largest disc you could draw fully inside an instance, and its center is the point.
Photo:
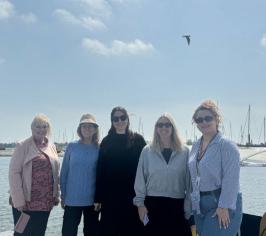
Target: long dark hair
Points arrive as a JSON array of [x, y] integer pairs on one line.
[[112, 130], [124, 111]]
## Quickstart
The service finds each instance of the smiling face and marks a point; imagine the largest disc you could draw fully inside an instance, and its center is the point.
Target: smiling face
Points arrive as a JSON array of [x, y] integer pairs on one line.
[[40, 131], [206, 122], [87, 130], [120, 122], [164, 128]]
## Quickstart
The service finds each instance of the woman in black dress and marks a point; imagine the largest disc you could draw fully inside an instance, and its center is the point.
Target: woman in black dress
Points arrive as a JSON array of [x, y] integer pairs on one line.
[[118, 159]]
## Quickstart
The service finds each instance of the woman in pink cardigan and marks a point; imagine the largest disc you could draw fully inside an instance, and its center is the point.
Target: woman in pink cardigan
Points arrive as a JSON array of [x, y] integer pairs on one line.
[[34, 177]]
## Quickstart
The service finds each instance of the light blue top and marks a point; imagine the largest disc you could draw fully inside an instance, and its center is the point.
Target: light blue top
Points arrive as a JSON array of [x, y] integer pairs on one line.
[[218, 168], [78, 174]]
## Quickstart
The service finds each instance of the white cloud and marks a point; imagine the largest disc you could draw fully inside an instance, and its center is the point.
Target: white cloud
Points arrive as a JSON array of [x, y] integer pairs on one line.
[[28, 18], [125, 1], [66, 16], [263, 40], [90, 23], [86, 22], [99, 8], [118, 47], [96, 13], [102, 8], [6, 9]]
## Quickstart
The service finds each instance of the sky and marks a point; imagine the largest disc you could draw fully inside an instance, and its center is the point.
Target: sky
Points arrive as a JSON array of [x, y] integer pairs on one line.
[[65, 58]]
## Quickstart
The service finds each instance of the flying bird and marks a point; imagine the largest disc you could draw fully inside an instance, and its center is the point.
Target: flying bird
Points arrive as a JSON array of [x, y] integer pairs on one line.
[[187, 38]]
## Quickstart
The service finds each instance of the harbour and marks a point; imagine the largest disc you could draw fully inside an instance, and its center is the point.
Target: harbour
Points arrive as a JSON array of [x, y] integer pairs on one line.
[[252, 184]]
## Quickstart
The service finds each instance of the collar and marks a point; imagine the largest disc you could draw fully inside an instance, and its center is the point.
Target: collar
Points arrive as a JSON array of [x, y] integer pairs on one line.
[[216, 140]]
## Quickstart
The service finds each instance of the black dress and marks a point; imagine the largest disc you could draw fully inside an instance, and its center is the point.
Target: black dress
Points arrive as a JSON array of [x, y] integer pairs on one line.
[[115, 176]]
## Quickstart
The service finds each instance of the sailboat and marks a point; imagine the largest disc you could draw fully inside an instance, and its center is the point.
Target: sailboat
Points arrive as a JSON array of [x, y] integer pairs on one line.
[[249, 142]]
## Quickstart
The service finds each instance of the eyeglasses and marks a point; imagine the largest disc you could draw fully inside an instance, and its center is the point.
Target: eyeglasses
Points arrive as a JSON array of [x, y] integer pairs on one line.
[[117, 118], [200, 120], [161, 125]]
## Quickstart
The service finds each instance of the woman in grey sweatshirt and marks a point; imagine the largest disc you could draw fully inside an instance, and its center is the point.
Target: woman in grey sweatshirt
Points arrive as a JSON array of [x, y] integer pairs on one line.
[[162, 182]]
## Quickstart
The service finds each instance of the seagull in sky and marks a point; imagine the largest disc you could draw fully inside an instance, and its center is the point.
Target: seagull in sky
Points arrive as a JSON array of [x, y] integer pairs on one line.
[[187, 38]]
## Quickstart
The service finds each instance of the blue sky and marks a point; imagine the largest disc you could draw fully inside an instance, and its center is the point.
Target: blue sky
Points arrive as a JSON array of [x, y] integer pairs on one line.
[[64, 58]]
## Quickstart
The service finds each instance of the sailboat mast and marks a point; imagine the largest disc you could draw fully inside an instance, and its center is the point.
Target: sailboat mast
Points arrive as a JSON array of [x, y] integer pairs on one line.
[[230, 130], [249, 125], [241, 135], [264, 129]]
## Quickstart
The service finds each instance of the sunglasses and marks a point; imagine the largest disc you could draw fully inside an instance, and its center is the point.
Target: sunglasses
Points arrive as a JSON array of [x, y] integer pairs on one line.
[[161, 125], [207, 119], [117, 118], [89, 125]]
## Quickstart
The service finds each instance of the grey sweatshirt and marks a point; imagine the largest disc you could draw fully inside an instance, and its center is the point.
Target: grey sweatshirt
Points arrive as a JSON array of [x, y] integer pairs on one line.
[[157, 178]]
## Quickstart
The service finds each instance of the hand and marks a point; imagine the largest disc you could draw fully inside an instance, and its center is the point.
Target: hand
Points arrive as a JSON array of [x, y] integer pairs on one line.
[[223, 217], [97, 206], [21, 208], [142, 212], [193, 230]]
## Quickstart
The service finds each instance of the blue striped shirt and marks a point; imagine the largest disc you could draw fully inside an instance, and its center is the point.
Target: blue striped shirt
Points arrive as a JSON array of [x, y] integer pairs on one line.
[[78, 174], [218, 168]]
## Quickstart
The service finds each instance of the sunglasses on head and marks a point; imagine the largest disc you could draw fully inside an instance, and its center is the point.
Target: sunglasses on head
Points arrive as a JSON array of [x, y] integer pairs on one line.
[[207, 119], [117, 118], [161, 125]]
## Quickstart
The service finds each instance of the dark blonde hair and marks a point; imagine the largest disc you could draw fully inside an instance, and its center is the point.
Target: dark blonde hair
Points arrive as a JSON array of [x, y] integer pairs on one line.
[[176, 142], [210, 106], [95, 137]]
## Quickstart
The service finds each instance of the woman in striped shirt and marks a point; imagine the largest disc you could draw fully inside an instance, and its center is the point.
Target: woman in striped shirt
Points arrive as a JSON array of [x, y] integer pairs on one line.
[[214, 168]]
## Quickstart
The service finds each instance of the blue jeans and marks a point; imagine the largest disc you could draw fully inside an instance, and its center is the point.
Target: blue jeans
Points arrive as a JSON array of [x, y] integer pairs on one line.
[[208, 225]]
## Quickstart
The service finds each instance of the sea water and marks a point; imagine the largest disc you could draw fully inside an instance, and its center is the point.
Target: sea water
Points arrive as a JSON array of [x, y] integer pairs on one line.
[[252, 181]]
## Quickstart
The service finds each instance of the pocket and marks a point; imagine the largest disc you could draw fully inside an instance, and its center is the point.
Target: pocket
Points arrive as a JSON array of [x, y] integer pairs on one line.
[[231, 213], [208, 203], [215, 198], [238, 209]]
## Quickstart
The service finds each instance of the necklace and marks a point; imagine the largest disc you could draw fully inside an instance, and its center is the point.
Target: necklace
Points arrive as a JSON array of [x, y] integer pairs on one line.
[[202, 151]]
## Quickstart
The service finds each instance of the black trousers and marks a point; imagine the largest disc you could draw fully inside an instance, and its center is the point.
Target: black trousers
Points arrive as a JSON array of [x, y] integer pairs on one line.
[[166, 217], [72, 217], [120, 220], [36, 225]]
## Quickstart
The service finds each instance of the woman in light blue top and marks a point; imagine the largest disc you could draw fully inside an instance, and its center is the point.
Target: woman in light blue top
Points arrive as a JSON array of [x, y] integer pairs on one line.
[[77, 179], [214, 165]]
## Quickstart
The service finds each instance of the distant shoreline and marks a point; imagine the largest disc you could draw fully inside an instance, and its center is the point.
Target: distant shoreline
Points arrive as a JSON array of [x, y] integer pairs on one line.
[[9, 152], [6, 152], [251, 155]]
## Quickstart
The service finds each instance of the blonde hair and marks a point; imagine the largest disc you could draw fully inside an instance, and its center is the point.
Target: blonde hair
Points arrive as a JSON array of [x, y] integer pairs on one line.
[[210, 106], [176, 142], [41, 119]]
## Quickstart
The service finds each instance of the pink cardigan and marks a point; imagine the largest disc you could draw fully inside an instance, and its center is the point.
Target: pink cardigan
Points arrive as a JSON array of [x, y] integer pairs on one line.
[[20, 170]]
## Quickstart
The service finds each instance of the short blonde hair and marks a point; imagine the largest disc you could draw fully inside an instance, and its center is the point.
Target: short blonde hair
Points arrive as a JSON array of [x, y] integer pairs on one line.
[[176, 142], [210, 106], [41, 119]]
